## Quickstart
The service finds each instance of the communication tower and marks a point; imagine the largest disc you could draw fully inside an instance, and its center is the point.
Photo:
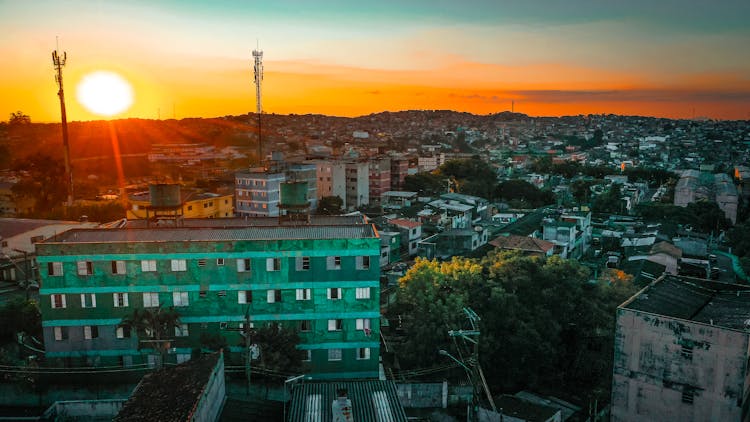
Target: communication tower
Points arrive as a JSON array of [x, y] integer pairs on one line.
[[258, 80], [58, 62]]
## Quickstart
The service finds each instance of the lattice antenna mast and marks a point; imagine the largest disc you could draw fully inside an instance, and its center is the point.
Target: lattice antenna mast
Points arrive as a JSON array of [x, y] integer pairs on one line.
[[59, 62], [258, 80]]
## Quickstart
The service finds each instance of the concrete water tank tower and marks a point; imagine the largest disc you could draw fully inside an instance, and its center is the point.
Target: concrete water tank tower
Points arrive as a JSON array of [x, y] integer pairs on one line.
[[166, 205], [293, 199]]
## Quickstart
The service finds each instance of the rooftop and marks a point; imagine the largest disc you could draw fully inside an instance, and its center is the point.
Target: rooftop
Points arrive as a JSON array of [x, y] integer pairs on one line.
[[524, 410], [522, 243], [405, 223], [370, 400], [10, 227], [315, 220], [169, 394], [708, 302]]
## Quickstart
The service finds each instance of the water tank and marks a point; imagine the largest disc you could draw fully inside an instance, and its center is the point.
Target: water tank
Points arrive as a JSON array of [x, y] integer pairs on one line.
[[165, 195], [293, 194]]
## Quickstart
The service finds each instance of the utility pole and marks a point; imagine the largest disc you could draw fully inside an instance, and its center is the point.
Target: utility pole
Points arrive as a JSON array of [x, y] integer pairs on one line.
[[474, 373], [251, 351], [58, 62]]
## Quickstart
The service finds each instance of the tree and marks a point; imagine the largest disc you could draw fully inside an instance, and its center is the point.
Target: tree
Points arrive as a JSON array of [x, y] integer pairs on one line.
[[524, 191], [474, 176], [426, 184], [330, 205], [153, 326], [278, 348], [19, 315], [19, 118], [44, 181]]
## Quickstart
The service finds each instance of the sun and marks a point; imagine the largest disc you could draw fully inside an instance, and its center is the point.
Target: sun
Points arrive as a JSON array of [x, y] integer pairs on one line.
[[104, 93]]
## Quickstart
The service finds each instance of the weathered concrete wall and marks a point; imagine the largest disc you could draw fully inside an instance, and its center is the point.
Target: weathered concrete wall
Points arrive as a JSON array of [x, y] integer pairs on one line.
[[71, 410], [423, 394], [660, 364], [212, 401]]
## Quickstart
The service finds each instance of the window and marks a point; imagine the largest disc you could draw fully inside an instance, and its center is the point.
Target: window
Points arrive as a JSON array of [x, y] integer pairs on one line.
[[54, 269], [363, 324], [150, 300], [179, 265], [334, 293], [363, 293], [303, 263], [333, 263], [85, 267], [220, 262], [90, 332], [243, 265], [180, 298], [58, 301], [181, 330], [223, 325], [122, 332], [688, 395], [274, 296], [413, 232], [244, 296], [334, 354], [687, 351], [363, 262], [118, 267], [36, 239], [303, 294], [190, 207], [363, 353], [183, 357], [221, 293], [148, 265], [201, 262], [308, 356], [305, 325], [61, 333], [203, 293], [273, 264], [335, 324], [88, 300], [120, 300]]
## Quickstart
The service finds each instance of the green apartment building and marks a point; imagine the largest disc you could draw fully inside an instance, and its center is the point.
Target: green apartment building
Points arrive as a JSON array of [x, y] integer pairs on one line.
[[320, 277]]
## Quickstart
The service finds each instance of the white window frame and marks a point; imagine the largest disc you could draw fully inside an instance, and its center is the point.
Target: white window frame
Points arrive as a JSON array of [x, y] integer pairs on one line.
[[333, 296], [363, 292], [179, 265], [181, 331], [55, 269], [303, 263], [60, 333], [363, 262], [120, 303], [304, 294], [89, 330], [244, 297], [308, 356], [366, 353], [335, 355], [180, 299], [363, 324], [273, 264], [148, 265], [243, 265], [62, 301], [120, 332], [90, 303], [85, 267], [150, 299], [219, 262], [310, 325], [331, 263], [119, 267], [335, 325], [271, 296]]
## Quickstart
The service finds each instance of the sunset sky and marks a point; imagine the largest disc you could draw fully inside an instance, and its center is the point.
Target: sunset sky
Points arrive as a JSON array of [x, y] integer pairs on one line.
[[660, 58]]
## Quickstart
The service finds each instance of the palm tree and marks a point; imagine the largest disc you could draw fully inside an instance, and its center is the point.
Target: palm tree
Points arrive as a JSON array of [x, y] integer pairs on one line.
[[153, 326]]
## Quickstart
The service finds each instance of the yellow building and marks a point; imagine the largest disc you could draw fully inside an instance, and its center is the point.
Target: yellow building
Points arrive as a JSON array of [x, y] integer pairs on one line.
[[194, 205]]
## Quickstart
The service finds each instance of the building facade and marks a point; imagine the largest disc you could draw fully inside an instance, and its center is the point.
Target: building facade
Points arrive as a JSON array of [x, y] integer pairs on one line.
[[681, 352], [321, 279], [357, 184], [257, 193], [380, 179], [194, 205]]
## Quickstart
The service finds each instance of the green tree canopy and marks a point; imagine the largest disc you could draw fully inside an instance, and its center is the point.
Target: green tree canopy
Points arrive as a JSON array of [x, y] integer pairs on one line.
[[19, 315], [521, 190], [330, 205], [426, 184], [278, 348]]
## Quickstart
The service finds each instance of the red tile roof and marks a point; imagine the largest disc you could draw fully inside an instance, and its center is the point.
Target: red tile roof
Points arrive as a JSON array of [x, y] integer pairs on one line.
[[522, 243], [405, 223]]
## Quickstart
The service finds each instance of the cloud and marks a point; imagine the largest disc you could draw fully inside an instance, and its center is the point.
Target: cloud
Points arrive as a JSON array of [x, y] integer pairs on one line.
[[634, 95]]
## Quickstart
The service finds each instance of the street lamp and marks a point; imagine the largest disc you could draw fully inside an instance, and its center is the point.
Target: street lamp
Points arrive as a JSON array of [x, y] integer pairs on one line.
[[474, 393]]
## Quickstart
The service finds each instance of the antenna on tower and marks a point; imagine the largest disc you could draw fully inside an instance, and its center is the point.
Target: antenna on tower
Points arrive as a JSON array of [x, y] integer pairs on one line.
[[58, 62], [258, 80]]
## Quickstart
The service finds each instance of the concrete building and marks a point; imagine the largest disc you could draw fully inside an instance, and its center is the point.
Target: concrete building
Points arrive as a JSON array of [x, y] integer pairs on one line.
[[321, 278], [257, 193], [430, 162], [357, 184], [380, 179], [194, 205], [681, 352], [411, 234], [695, 186], [399, 170], [305, 172]]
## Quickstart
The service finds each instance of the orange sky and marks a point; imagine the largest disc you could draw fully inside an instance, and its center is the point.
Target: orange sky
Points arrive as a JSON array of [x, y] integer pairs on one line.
[[195, 60]]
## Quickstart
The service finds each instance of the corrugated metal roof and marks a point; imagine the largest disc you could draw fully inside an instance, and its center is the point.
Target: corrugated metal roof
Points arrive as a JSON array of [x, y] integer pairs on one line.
[[315, 220], [180, 234], [372, 401]]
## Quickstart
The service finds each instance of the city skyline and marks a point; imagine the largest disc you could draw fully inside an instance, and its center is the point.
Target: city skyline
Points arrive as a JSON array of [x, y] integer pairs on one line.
[[192, 59]]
